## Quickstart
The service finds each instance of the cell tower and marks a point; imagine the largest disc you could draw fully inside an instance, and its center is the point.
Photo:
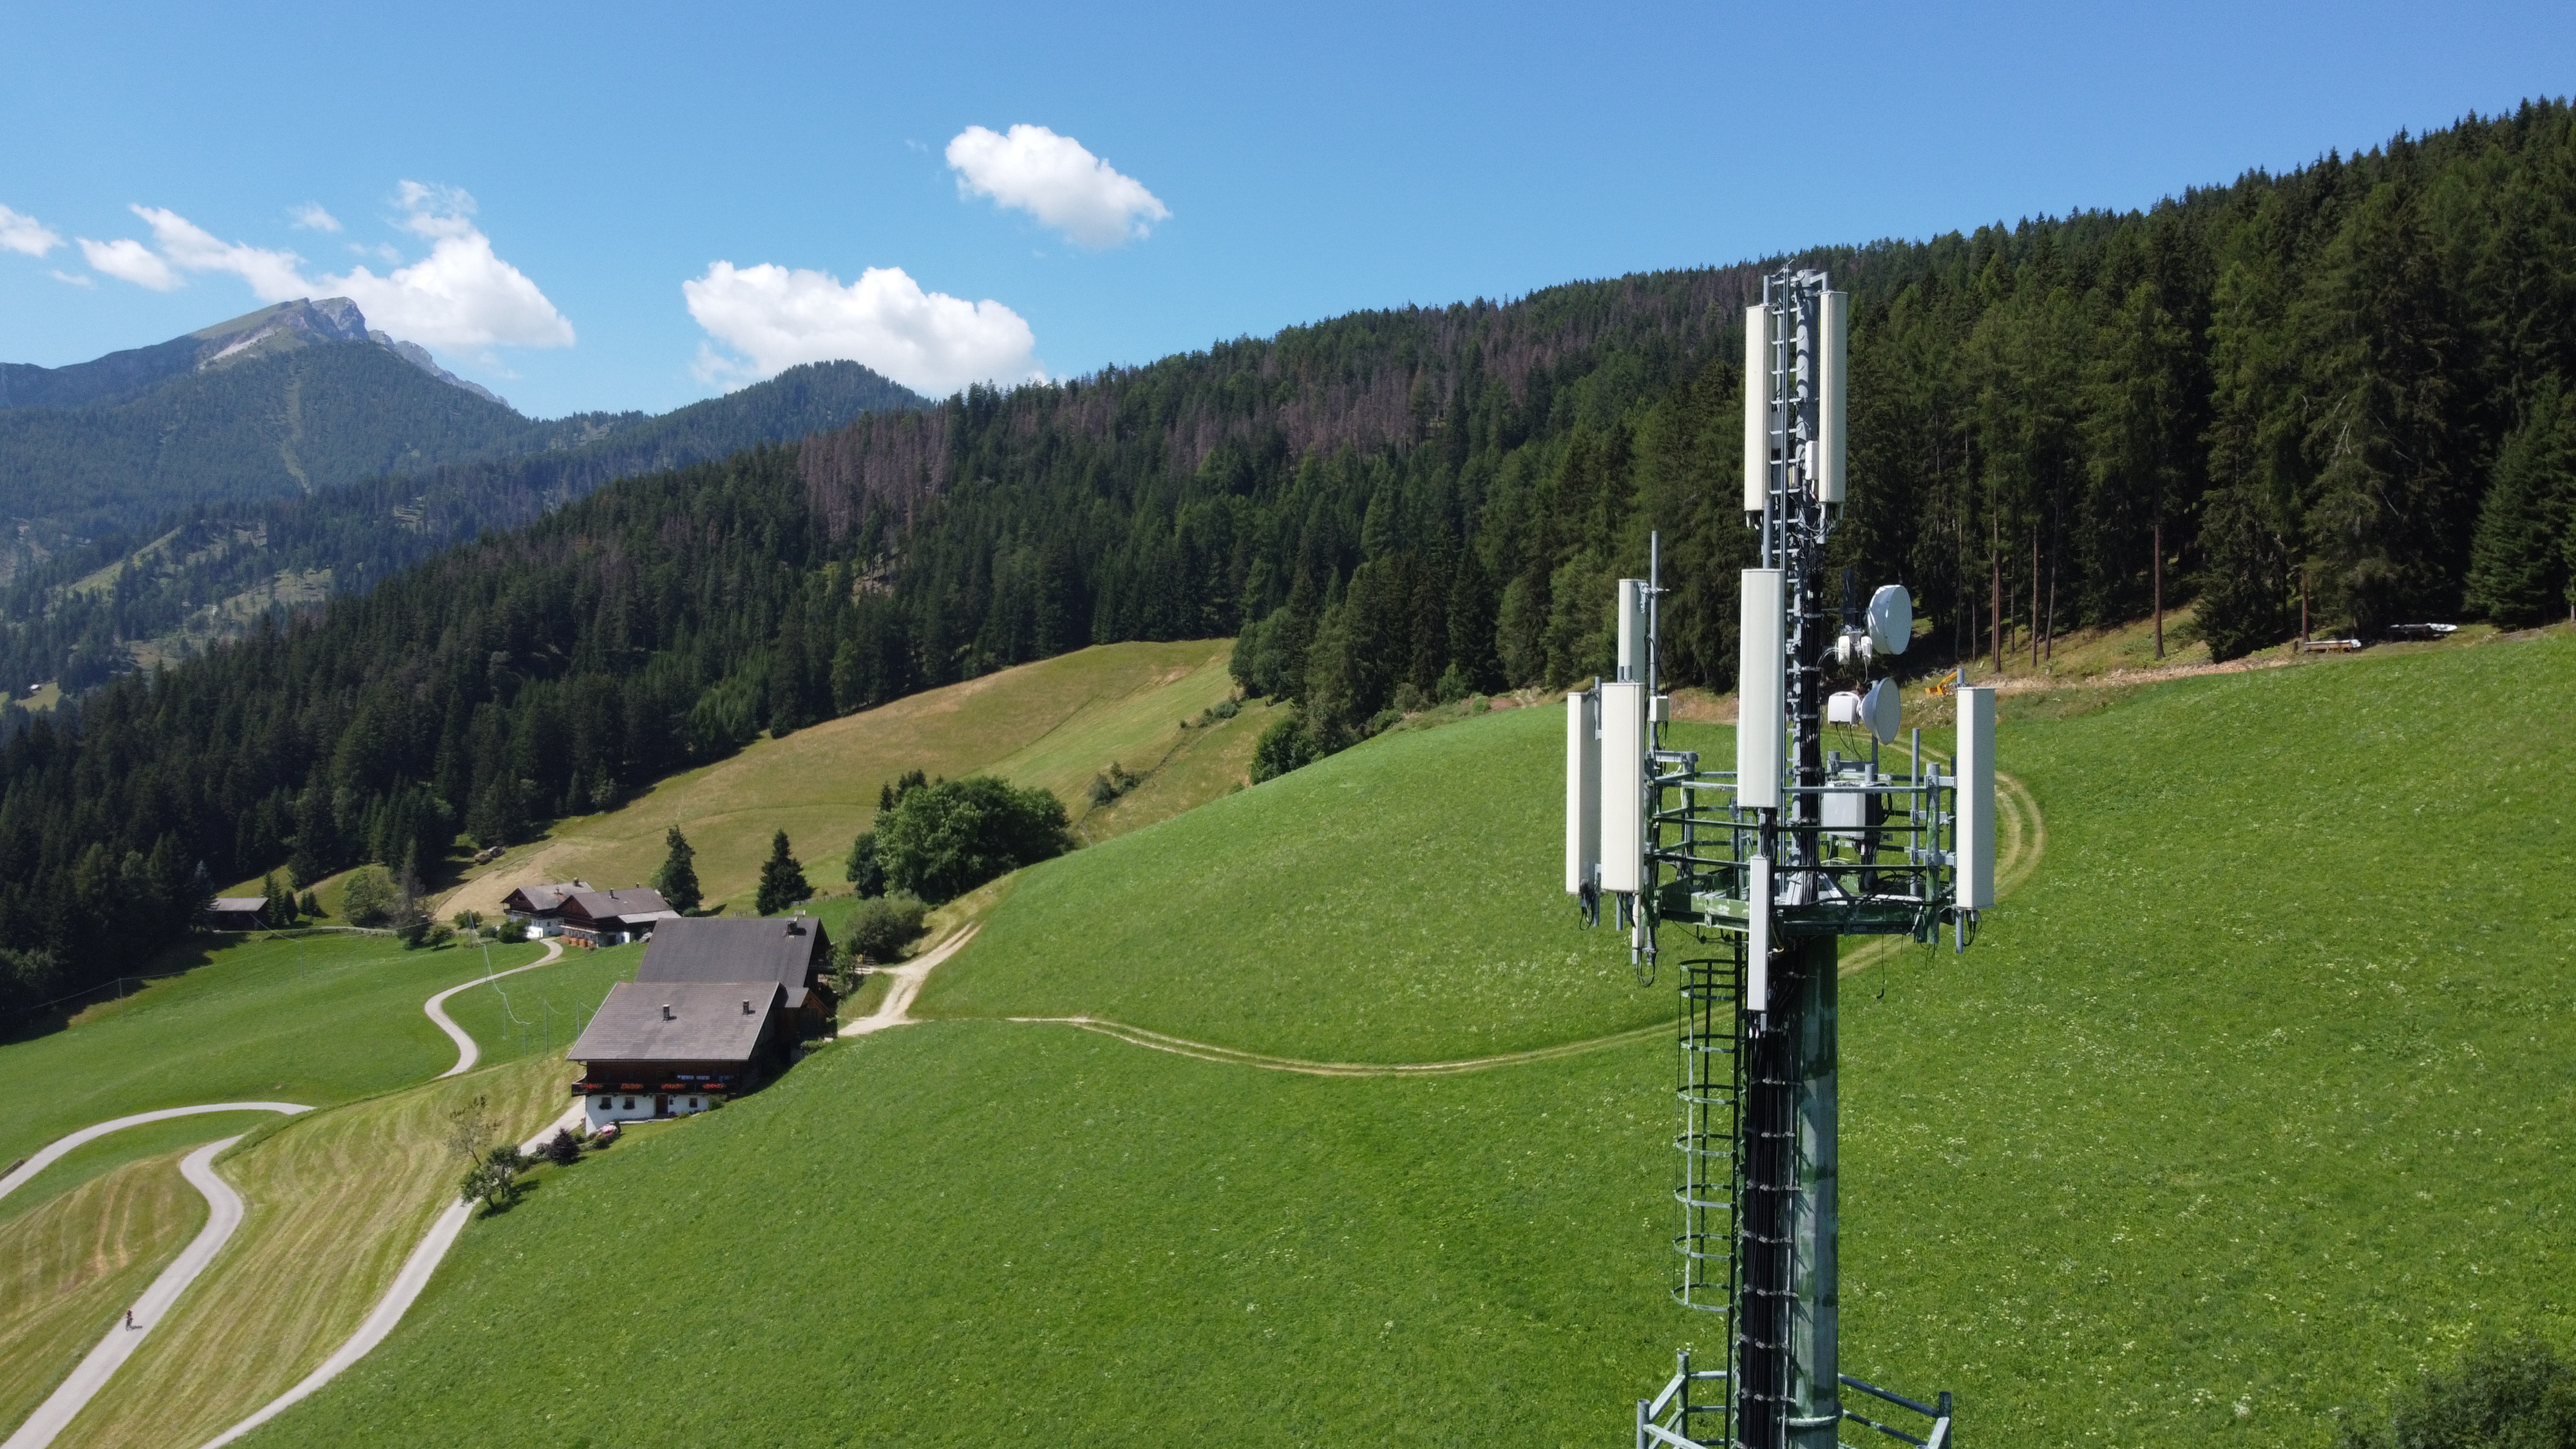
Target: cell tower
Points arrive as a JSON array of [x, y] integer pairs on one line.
[[1813, 836]]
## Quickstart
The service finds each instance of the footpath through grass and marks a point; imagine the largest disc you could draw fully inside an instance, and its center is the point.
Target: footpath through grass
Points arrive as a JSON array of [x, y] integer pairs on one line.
[[69, 1267], [1401, 901]]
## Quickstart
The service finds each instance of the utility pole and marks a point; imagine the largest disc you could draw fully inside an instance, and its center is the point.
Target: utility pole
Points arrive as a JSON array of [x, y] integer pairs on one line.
[[2160, 587]]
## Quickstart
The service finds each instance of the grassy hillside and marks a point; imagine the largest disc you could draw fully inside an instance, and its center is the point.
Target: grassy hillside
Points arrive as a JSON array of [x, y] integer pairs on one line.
[[336, 1198], [1055, 723], [2229, 1123], [1398, 902], [316, 1020], [988, 1233], [337, 1201], [2261, 1094], [70, 1266]]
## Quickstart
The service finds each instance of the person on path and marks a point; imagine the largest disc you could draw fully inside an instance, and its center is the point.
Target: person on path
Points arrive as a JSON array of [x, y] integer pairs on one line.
[[129, 1318]]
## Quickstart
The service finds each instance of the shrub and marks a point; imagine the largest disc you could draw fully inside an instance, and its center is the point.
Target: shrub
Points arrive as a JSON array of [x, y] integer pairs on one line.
[[864, 872], [494, 1180], [368, 899], [1454, 685], [1284, 746], [943, 840], [881, 928], [563, 1149], [2507, 1394], [1115, 781]]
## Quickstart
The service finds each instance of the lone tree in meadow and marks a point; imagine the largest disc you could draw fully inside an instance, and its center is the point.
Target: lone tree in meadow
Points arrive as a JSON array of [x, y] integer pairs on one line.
[[941, 841], [782, 878], [677, 880]]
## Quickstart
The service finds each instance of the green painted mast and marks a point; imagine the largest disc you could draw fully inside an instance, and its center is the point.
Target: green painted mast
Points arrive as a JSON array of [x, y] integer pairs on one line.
[[1763, 869]]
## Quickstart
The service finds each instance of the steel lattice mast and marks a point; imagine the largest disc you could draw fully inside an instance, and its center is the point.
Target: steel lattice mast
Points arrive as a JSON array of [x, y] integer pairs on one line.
[[1764, 868]]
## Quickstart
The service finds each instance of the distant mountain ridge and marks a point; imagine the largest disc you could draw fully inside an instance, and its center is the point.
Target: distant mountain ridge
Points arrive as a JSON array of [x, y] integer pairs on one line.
[[264, 333], [188, 577], [293, 401]]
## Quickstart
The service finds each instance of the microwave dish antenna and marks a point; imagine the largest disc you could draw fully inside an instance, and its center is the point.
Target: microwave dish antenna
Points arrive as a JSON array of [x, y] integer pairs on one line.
[[1762, 867]]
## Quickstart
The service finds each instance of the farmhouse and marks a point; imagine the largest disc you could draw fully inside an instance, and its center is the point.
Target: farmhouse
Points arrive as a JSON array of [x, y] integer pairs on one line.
[[793, 954], [235, 913], [670, 1048], [612, 918], [540, 907]]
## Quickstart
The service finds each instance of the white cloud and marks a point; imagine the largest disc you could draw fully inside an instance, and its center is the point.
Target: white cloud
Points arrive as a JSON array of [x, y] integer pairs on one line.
[[129, 260], [190, 248], [928, 341], [1054, 179], [74, 278], [462, 295], [22, 233], [311, 217]]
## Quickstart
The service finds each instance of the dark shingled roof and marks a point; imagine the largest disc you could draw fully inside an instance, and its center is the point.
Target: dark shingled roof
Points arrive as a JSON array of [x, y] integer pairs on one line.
[[707, 1022], [791, 951], [546, 897], [638, 903]]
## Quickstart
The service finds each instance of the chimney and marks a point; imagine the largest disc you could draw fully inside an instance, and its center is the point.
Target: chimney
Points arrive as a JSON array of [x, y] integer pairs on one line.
[[666, 1011], [746, 1008]]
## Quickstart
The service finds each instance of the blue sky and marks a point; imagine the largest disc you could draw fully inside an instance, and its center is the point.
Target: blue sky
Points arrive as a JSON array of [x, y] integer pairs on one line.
[[1199, 174]]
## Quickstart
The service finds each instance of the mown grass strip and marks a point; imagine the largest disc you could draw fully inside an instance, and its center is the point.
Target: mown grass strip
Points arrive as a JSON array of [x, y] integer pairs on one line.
[[337, 1199], [69, 1268]]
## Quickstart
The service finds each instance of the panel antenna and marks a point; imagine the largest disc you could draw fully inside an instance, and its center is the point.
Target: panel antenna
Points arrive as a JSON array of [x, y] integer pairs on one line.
[[1763, 868]]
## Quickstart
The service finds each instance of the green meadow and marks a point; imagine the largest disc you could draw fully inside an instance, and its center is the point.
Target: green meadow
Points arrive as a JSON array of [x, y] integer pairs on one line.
[[2254, 1100], [318, 1019]]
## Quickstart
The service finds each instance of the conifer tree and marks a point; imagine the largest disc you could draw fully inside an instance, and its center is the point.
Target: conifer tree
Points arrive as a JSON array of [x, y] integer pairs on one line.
[[677, 880], [2517, 567], [782, 878]]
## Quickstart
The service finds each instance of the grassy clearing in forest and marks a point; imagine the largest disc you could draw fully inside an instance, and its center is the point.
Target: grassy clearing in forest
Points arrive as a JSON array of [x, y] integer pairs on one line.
[[1054, 723]]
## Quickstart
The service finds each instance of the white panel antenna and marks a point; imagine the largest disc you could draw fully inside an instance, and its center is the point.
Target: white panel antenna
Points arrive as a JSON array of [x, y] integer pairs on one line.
[[1760, 693], [1632, 629], [1891, 620], [1623, 786], [1758, 337], [1976, 825], [1843, 708], [1833, 375], [1582, 788]]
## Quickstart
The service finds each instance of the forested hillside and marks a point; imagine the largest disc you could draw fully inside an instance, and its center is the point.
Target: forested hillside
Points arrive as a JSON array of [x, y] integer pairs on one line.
[[168, 585], [2351, 374]]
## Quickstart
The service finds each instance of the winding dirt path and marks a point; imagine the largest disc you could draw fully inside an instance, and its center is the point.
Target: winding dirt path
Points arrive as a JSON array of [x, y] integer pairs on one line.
[[223, 1215], [2023, 836], [389, 1310], [467, 1053], [896, 1009]]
